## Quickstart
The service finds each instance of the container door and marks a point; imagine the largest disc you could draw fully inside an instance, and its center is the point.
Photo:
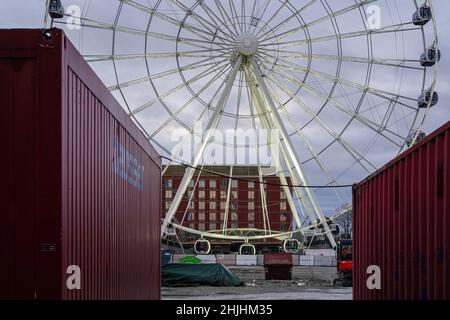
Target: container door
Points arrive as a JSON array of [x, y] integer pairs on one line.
[[18, 245]]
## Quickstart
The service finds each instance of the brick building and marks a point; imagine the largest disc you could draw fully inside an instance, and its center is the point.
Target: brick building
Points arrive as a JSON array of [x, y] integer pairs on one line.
[[207, 210]]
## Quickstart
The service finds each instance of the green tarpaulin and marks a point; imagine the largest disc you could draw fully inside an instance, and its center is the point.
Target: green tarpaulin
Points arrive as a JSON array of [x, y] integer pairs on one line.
[[190, 260], [187, 275]]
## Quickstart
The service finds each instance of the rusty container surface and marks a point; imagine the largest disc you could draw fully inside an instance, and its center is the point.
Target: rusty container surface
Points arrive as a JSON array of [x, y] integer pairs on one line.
[[401, 224], [81, 185], [278, 266]]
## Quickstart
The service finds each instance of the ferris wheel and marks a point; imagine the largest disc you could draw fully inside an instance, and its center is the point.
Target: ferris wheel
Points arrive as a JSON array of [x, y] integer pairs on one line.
[[346, 84]]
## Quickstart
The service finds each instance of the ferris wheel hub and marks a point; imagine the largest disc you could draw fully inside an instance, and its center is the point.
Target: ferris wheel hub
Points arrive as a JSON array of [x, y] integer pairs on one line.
[[247, 44]]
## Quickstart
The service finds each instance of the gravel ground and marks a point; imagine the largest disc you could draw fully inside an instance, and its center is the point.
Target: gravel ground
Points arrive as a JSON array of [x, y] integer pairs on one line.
[[307, 284]]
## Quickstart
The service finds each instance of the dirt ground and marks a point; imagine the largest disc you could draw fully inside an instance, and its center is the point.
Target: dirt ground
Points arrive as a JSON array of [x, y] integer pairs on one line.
[[308, 283]]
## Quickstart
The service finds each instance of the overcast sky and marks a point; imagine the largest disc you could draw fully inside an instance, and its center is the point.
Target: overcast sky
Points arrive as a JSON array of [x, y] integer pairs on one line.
[[30, 13]]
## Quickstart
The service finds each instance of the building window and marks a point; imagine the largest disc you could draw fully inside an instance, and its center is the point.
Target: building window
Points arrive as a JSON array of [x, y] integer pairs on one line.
[[201, 227], [283, 216], [212, 206], [234, 226], [191, 205], [190, 193], [251, 184], [251, 216], [201, 194], [212, 226], [168, 183], [223, 194], [251, 195], [234, 216], [169, 194], [234, 194], [282, 195], [222, 215], [201, 216], [223, 183], [251, 226], [201, 205], [234, 205], [283, 205], [212, 194], [251, 206], [223, 205], [168, 203], [234, 184], [212, 183], [192, 225], [212, 216], [201, 183], [191, 184], [282, 226], [191, 216]]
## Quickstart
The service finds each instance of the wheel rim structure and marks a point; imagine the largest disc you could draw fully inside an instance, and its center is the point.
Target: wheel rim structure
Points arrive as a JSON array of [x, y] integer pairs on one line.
[[316, 69]]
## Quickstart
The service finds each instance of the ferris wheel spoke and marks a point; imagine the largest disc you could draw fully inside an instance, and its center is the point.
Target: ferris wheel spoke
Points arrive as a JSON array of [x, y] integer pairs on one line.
[[314, 155], [191, 129], [225, 15], [276, 13], [201, 20], [234, 15], [210, 129], [390, 96], [89, 23], [131, 56], [197, 65], [252, 15], [363, 120], [284, 22], [192, 99], [204, 74], [337, 136], [243, 15], [390, 29], [317, 21], [216, 19], [263, 12], [397, 63], [152, 55], [193, 29]]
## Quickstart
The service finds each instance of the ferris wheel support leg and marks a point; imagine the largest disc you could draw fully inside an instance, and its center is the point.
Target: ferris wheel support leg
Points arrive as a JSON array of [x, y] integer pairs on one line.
[[300, 197], [257, 99], [291, 151], [212, 125]]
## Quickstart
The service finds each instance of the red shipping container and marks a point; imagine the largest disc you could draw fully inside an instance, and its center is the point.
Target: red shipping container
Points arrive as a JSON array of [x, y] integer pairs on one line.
[[401, 223], [80, 184]]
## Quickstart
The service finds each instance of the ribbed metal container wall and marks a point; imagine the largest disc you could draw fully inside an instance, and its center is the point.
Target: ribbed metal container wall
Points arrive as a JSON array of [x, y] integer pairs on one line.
[[81, 184], [401, 223]]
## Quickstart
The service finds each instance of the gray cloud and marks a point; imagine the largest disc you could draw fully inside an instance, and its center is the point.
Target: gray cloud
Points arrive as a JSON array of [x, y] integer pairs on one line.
[[30, 13]]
